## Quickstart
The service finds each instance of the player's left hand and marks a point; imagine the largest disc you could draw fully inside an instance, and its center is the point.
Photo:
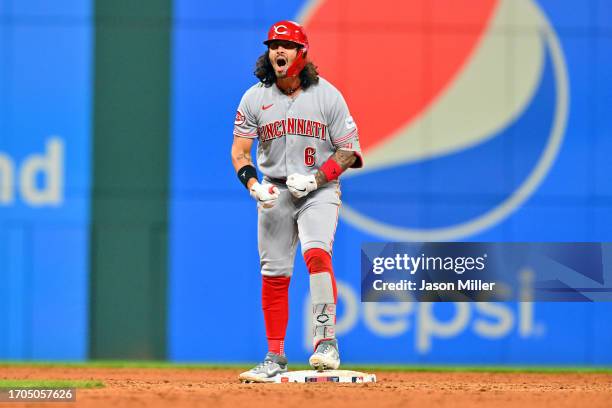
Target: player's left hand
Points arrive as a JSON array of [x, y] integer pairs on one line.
[[300, 185]]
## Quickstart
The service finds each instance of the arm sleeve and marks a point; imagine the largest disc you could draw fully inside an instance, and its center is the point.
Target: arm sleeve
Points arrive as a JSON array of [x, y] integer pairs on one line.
[[245, 124], [343, 129]]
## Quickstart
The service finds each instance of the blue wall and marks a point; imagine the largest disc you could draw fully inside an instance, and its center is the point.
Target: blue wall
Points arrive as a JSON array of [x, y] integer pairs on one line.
[[45, 104], [210, 211], [45, 86]]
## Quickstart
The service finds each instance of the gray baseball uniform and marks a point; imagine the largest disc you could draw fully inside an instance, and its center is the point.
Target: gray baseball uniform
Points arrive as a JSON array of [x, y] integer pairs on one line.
[[296, 135]]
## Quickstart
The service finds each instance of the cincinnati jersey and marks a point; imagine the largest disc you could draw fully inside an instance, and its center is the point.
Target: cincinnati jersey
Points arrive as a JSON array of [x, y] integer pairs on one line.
[[296, 135]]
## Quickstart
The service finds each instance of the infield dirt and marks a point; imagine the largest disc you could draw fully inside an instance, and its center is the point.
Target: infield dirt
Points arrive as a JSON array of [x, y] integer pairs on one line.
[[161, 387]]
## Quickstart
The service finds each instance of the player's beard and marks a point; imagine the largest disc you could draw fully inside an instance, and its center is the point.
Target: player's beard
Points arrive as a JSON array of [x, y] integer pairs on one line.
[[281, 73]]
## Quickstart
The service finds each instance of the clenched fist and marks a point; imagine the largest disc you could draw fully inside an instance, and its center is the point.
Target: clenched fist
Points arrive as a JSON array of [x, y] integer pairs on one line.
[[266, 194], [300, 185]]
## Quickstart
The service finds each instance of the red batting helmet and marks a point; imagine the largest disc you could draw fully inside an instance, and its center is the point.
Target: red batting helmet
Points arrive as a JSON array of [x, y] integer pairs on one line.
[[291, 31]]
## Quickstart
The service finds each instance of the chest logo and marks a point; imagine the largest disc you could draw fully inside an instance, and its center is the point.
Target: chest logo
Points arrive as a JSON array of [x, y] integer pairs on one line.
[[264, 107]]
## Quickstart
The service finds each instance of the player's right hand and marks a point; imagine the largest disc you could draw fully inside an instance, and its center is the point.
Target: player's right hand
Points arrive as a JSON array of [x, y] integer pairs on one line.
[[266, 194]]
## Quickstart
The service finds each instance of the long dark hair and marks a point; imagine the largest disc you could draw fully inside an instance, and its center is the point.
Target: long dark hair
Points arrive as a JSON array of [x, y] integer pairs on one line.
[[265, 72]]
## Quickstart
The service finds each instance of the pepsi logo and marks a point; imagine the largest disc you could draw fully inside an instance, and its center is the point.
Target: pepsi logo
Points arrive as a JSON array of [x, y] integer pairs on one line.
[[459, 123]]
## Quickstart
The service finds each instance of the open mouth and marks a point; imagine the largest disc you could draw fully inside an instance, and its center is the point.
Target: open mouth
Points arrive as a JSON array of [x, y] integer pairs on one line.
[[281, 61]]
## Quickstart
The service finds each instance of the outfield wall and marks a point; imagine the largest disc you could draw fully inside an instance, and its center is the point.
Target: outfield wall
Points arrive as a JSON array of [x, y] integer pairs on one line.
[[125, 234], [529, 78], [45, 121]]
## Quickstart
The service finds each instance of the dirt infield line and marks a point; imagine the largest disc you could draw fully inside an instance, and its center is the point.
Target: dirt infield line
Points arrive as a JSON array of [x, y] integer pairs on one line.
[[182, 388]]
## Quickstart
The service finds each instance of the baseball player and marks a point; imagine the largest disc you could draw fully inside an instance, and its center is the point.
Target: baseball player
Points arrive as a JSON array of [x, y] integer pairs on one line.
[[306, 140]]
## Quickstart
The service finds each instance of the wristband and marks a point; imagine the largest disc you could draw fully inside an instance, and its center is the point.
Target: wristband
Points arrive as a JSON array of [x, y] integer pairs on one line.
[[246, 173], [331, 169]]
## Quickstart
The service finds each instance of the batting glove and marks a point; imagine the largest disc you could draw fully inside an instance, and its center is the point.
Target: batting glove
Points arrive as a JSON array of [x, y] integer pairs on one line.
[[300, 185], [266, 194]]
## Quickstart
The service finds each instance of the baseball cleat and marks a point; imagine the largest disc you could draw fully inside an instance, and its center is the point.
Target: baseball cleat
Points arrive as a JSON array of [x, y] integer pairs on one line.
[[265, 371], [326, 356]]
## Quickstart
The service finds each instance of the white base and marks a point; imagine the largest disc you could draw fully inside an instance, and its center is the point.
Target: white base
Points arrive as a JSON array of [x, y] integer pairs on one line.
[[311, 376]]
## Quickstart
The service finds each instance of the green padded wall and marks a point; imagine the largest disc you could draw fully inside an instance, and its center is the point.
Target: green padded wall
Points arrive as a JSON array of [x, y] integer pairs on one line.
[[130, 179]]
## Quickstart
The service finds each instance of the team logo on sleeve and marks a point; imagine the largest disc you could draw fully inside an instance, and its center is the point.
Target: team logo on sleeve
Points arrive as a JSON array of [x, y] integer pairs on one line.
[[240, 119], [350, 123]]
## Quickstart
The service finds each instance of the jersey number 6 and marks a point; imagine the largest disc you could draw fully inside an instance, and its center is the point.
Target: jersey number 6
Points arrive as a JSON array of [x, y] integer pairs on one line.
[[309, 156]]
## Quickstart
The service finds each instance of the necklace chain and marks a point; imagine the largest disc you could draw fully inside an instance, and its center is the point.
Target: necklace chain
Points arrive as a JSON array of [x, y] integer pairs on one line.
[[289, 91]]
